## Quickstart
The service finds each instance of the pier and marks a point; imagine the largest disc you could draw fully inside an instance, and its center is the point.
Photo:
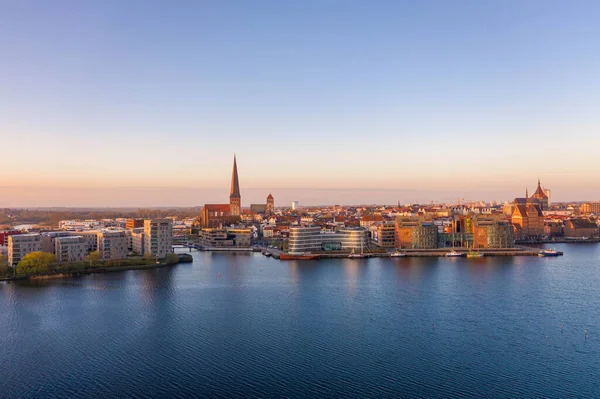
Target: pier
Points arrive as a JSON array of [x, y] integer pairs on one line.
[[409, 253], [424, 253]]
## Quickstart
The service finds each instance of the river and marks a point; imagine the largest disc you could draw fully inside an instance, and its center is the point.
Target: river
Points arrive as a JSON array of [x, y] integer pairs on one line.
[[242, 325]]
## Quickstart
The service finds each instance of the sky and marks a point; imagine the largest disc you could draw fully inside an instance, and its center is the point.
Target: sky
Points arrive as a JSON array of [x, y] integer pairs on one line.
[[144, 103]]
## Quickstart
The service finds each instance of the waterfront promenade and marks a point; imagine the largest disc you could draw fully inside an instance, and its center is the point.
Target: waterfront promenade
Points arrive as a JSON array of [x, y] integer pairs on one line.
[[427, 253]]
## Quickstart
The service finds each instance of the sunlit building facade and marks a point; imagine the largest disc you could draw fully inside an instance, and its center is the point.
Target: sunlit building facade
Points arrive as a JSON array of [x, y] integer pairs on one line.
[[21, 245], [158, 237], [112, 244], [70, 249], [304, 240], [312, 239]]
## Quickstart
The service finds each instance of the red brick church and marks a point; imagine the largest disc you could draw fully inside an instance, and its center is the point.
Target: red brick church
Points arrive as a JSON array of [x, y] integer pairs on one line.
[[215, 215]]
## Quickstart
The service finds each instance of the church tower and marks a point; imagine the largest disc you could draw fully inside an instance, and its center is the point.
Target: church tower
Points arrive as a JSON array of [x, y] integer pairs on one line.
[[270, 204], [540, 196], [235, 199]]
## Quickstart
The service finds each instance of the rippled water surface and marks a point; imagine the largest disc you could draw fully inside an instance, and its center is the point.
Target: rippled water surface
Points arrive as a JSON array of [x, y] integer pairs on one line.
[[472, 328]]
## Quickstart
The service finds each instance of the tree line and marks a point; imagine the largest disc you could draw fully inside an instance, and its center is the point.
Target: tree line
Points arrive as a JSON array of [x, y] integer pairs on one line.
[[52, 217], [46, 263]]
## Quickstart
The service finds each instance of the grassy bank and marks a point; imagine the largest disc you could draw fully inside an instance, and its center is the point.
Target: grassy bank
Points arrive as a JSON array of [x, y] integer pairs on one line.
[[79, 268]]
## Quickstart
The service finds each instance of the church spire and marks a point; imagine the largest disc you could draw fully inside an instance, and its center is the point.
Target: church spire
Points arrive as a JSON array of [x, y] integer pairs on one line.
[[539, 192], [235, 184], [235, 199], [526, 192]]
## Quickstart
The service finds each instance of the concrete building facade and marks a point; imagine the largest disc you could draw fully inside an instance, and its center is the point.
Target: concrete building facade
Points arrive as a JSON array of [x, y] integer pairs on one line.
[[158, 237], [70, 249], [137, 241], [21, 245], [49, 238], [91, 239], [112, 244], [235, 237], [386, 235]]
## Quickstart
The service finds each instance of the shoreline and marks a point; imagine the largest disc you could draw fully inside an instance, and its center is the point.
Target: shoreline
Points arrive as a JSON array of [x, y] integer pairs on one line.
[[104, 269], [520, 250], [592, 240]]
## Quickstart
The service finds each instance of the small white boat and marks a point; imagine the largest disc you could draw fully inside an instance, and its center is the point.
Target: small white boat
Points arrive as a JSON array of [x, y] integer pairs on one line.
[[475, 255], [454, 254], [397, 254], [354, 255], [550, 252]]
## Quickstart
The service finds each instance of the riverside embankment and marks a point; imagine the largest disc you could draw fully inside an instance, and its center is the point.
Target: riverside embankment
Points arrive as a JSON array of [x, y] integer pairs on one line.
[[66, 273], [428, 253]]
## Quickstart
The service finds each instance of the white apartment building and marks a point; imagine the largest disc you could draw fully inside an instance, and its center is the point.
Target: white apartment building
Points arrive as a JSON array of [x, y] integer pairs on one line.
[[22, 244], [137, 241], [49, 239], [112, 244], [91, 239], [78, 224], [70, 249], [158, 237], [130, 236]]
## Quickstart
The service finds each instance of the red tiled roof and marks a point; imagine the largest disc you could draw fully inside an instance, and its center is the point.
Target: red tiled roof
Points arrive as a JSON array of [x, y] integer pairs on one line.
[[539, 193], [372, 218], [217, 207]]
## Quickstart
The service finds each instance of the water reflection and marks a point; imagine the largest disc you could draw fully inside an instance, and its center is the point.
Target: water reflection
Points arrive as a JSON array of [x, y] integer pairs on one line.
[[293, 266], [351, 270], [154, 282], [413, 269], [352, 326]]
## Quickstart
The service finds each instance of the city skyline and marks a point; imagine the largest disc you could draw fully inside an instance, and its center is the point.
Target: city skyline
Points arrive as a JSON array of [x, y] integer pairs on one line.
[[372, 102]]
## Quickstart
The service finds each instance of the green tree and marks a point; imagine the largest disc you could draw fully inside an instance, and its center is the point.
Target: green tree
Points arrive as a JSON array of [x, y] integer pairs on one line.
[[36, 262], [172, 259], [4, 268], [149, 258], [94, 258]]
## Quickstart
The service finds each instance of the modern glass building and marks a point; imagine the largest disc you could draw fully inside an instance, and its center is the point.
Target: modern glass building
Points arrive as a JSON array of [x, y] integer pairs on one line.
[[349, 239], [310, 239], [425, 236], [304, 240], [500, 235]]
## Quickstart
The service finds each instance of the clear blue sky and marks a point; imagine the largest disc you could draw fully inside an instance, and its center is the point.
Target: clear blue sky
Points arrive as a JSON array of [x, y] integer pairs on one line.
[[442, 98]]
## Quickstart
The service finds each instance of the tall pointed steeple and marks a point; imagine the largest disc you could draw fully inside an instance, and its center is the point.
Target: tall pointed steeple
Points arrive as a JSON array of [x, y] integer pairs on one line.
[[235, 198], [539, 192], [235, 184], [526, 192]]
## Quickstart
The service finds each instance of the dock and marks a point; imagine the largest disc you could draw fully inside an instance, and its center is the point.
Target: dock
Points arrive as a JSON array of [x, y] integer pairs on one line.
[[430, 253]]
